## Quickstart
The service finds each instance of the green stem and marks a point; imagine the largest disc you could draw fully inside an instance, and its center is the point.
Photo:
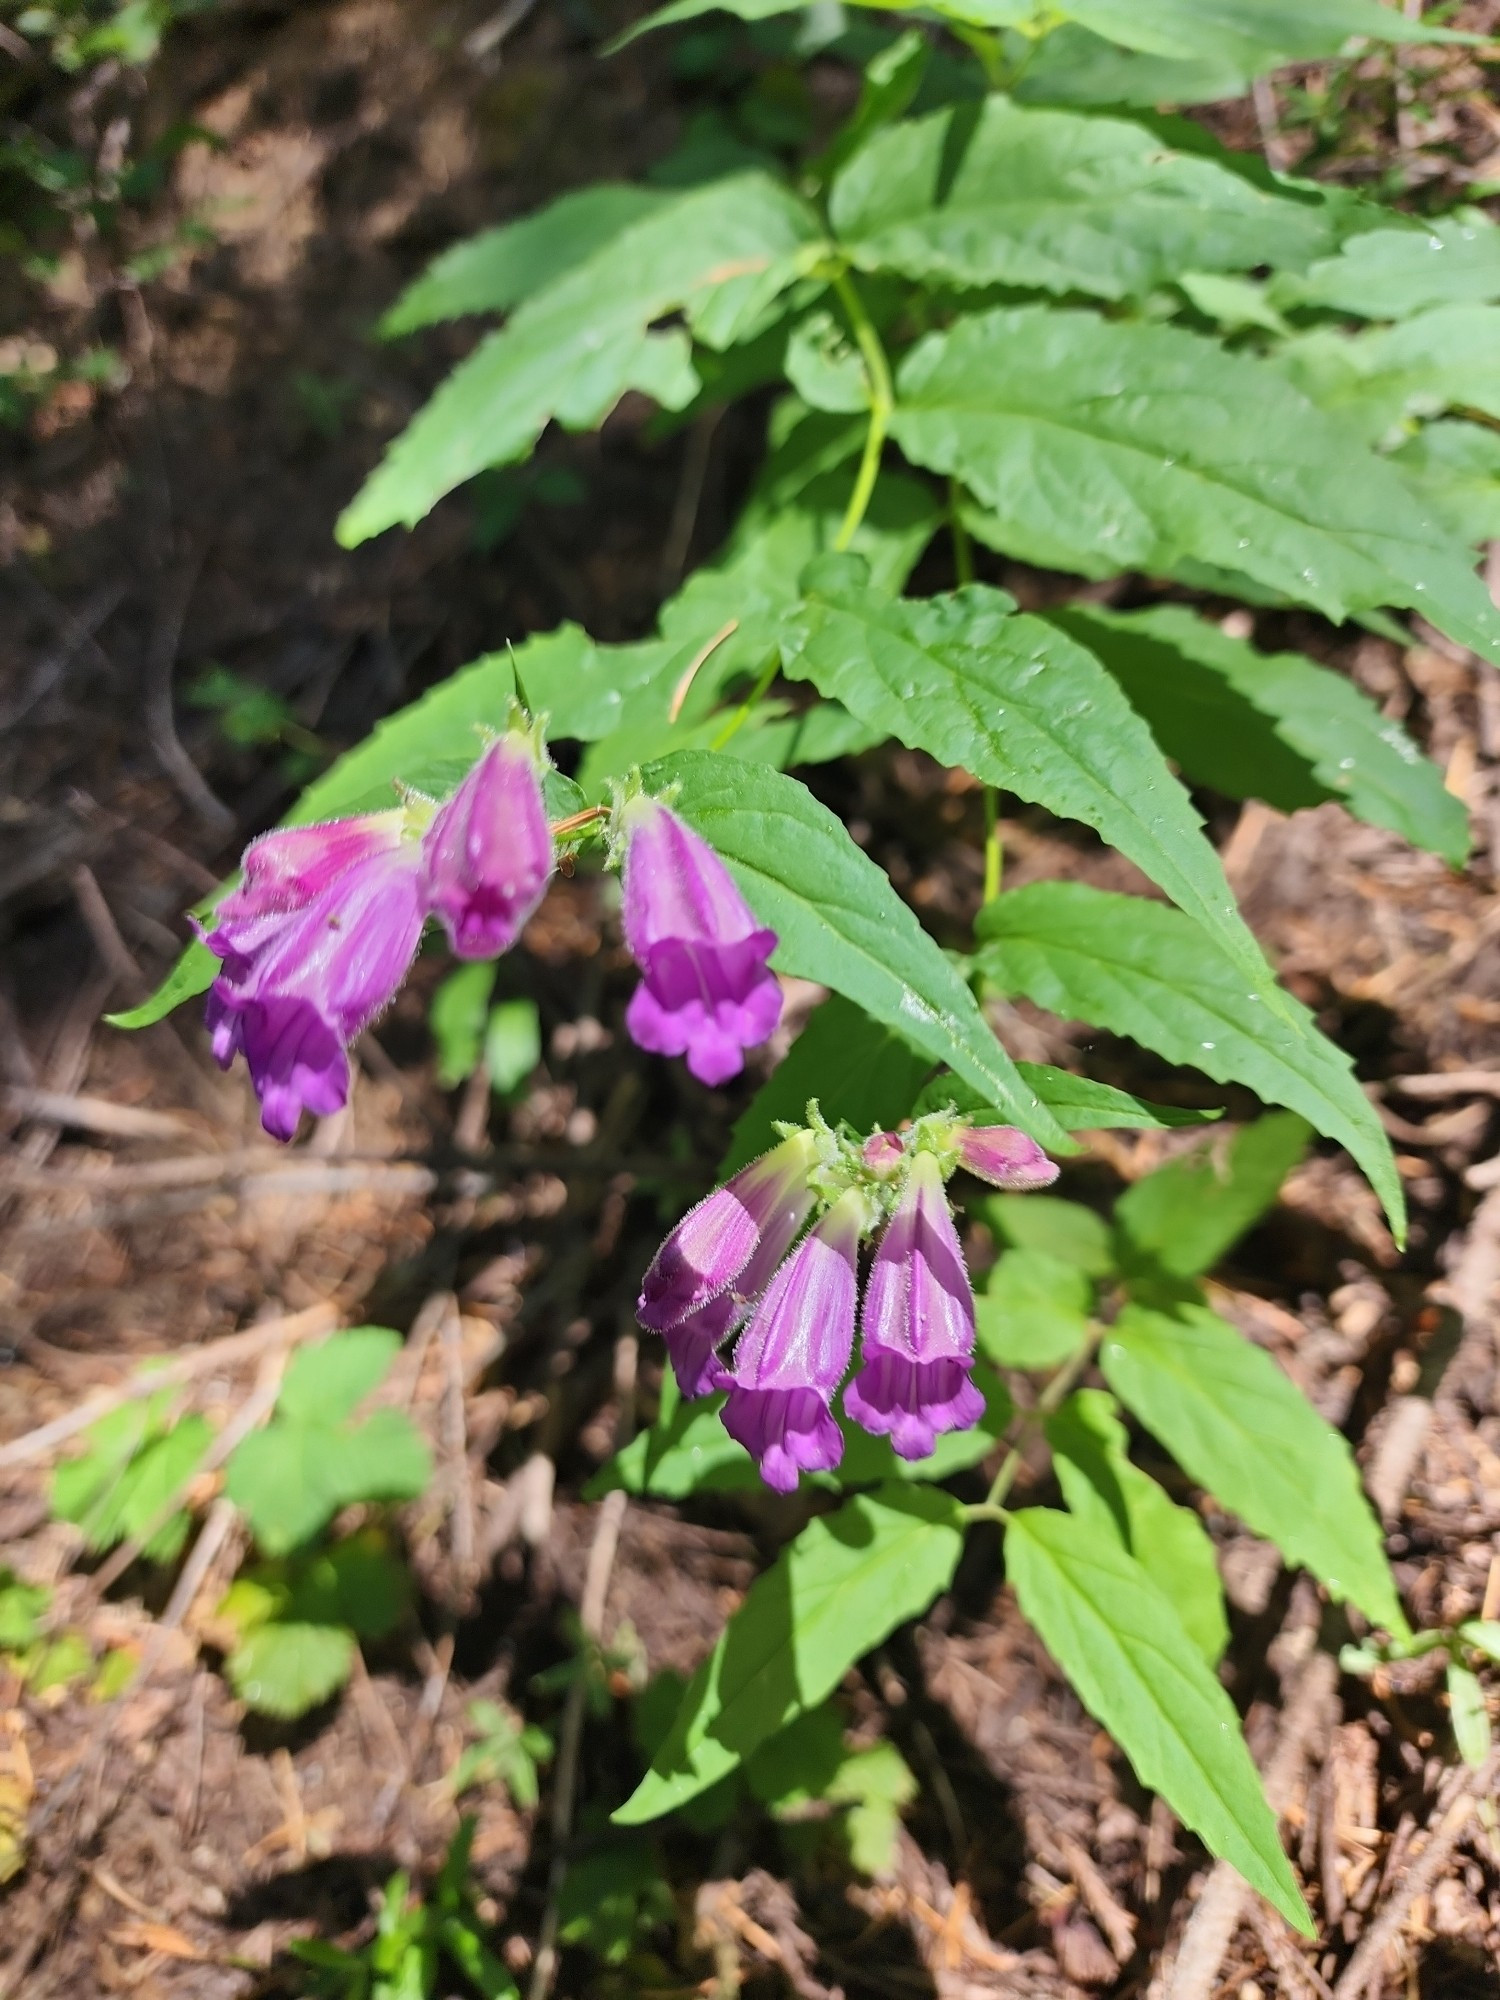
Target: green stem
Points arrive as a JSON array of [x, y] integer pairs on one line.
[[746, 708], [992, 850], [1058, 1388], [963, 547], [882, 403]]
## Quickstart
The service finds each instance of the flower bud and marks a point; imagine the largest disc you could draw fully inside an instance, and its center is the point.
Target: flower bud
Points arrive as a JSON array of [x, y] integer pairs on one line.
[[705, 990], [1005, 1157], [883, 1153], [917, 1328], [487, 856]]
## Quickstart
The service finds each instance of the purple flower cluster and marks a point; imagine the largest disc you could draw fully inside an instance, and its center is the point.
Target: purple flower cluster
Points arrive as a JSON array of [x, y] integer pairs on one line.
[[326, 920], [734, 1266]]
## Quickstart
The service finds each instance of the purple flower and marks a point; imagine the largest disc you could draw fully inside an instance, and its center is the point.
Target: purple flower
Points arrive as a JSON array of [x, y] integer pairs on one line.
[[1005, 1157], [721, 1254], [298, 985], [917, 1330], [284, 869], [792, 1356], [487, 856], [705, 991]]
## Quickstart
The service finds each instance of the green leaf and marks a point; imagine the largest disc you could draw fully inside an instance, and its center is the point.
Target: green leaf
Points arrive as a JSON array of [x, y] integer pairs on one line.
[[22, 1606], [1483, 1634], [193, 973], [156, 1477], [384, 1458], [1081, 1105], [1272, 726], [572, 349], [840, 922], [892, 78], [499, 268], [1456, 467], [1090, 1454], [457, 1017], [1374, 382], [1181, 1219], [358, 1583], [57, 1662], [1122, 1645], [1140, 969], [690, 1453], [1072, 65], [284, 1481], [1062, 1229], [993, 193], [285, 1670], [846, 1582], [1103, 446], [1235, 1423], [1011, 700], [859, 1070], [1034, 1310], [85, 1489], [512, 1044], [1254, 34], [328, 1381], [1469, 1714], [1393, 273]]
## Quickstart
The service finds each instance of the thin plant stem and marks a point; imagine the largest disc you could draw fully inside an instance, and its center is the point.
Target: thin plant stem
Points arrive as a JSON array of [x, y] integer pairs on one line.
[[963, 546], [882, 403], [746, 708], [993, 852], [1056, 1392]]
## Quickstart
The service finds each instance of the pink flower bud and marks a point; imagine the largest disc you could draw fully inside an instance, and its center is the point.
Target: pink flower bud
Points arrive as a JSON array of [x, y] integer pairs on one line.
[[487, 856], [705, 990], [1005, 1157], [883, 1152], [792, 1356], [917, 1329]]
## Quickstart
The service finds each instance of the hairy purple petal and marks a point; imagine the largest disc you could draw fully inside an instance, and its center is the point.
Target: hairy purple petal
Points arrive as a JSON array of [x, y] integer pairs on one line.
[[706, 991], [286, 868], [917, 1328], [762, 1208], [793, 1354], [305, 984], [1005, 1157], [487, 856]]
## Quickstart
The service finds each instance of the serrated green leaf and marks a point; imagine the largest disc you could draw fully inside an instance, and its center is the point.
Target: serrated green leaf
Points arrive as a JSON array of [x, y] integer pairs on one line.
[[859, 1070], [22, 1606], [1079, 1104], [1179, 1220], [1143, 970], [1455, 466], [995, 193], [1062, 1229], [285, 1670], [571, 350], [1034, 1310], [327, 1381], [284, 1481], [1272, 726], [1469, 1714], [156, 1477], [840, 922], [1235, 1423], [358, 1582], [1253, 34], [384, 1458], [1374, 382], [1393, 273], [846, 1582], [1104, 446], [499, 268], [1122, 1645], [1105, 1490], [1074, 66], [1011, 700]]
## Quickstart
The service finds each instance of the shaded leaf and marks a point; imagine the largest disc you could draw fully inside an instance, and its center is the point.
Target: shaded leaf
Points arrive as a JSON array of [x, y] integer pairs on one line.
[[1034, 1310], [287, 1669], [1063, 1229], [1181, 1219], [1393, 273]]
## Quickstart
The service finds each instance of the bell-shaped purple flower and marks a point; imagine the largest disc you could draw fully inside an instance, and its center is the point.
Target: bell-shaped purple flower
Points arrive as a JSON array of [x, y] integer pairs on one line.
[[298, 986], [721, 1254], [793, 1354], [917, 1329], [487, 856], [284, 869], [706, 992], [1005, 1158]]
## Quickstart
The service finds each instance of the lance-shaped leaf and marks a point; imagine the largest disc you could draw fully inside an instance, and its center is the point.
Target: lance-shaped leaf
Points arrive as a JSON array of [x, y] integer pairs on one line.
[[720, 252], [993, 193], [1455, 466], [1272, 726], [1254, 34], [1393, 273], [1012, 700], [1100, 447], [1122, 1645], [1446, 359], [1140, 969], [1235, 1423], [840, 922], [845, 1583]]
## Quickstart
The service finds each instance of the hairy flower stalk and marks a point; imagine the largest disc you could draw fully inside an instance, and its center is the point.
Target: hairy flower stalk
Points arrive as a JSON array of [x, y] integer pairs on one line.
[[917, 1327], [308, 965], [792, 1356], [488, 856], [720, 1255], [705, 989]]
